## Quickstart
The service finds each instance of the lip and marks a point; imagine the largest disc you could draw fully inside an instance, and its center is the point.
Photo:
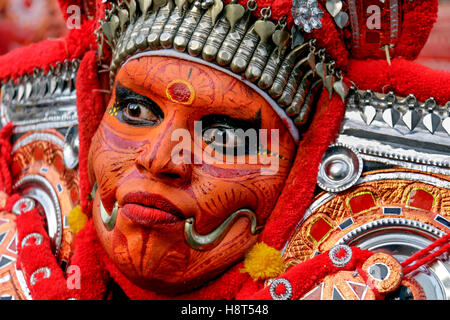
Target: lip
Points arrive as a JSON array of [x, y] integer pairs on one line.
[[149, 210]]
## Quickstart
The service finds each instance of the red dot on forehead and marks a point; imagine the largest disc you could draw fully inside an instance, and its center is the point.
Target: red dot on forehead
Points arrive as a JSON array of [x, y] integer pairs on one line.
[[180, 91]]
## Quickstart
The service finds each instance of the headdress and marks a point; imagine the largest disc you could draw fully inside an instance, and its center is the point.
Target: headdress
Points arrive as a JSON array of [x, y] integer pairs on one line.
[[238, 39]]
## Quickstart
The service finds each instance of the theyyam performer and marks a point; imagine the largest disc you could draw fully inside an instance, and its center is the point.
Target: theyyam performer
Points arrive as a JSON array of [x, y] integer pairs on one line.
[[260, 149]]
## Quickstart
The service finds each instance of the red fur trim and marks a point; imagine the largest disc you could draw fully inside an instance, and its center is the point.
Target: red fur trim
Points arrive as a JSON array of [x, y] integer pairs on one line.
[[301, 182], [33, 257], [64, 4], [24, 60], [5, 158], [308, 274], [79, 41], [403, 77], [87, 256], [90, 107], [93, 276], [418, 20]]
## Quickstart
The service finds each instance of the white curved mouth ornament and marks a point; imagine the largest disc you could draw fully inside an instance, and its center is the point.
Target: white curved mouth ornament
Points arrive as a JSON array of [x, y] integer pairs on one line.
[[193, 239], [212, 239], [109, 220]]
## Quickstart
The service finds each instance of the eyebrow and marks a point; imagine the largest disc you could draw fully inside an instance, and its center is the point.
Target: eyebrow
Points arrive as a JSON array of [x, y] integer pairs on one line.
[[123, 93]]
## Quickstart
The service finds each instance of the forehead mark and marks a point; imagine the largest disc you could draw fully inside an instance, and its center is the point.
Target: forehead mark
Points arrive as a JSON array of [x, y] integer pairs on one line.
[[180, 91]]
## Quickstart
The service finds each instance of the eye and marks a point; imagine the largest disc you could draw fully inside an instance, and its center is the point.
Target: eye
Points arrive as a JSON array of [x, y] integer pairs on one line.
[[230, 140], [137, 113], [223, 136]]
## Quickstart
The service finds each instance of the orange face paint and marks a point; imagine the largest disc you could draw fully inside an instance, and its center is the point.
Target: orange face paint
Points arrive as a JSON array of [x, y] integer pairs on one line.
[[131, 161]]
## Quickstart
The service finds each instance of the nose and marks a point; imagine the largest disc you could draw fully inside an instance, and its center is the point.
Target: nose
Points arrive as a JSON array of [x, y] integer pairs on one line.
[[156, 159]]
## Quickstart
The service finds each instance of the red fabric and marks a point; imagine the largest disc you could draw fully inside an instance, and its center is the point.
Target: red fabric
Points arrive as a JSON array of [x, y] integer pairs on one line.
[[403, 77], [33, 257], [5, 158], [43, 54], [427, 255], [94, 278], [10, 202], [88, 257], [418, 19], [90, 108], [64, 5], [436, 52], [306, 275], [23, 60]]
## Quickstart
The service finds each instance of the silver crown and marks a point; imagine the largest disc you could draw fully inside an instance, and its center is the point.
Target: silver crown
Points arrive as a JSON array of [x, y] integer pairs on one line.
[[265, 53], [397, 111], [397, 131], [41, 100]]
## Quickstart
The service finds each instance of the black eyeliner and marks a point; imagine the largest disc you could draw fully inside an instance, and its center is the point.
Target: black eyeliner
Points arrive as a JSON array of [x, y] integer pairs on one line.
[[235, 124], [124, 94], [245, 124]]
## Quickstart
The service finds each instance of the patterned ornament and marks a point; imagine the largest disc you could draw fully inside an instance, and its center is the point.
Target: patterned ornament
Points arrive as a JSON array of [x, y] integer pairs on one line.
[[286, 295], [307, 14]]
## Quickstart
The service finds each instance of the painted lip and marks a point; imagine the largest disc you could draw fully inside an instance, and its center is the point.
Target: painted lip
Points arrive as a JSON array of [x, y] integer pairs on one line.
[[150, 210]]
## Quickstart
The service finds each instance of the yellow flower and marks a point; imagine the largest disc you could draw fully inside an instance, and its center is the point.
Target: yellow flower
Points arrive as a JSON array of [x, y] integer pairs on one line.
[[263, 262], [77, 219]]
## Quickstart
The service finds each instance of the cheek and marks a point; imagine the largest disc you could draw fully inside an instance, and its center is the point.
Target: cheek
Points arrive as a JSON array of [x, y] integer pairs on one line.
[[265, 190], [218, 197], [109, 161]]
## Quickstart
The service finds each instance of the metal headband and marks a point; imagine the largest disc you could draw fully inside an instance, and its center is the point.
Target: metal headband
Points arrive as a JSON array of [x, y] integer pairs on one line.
[[276, 60]]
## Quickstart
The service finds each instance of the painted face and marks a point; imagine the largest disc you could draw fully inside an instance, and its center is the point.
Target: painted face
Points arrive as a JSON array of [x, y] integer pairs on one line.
[[162, 108]]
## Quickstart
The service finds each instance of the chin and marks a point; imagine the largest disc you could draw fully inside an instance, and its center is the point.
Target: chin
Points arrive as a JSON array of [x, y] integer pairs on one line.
[[177, 285], [159, 260]]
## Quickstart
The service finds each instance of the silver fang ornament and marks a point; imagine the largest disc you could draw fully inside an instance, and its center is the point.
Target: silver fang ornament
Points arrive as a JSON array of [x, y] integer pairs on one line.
[[212, 239]]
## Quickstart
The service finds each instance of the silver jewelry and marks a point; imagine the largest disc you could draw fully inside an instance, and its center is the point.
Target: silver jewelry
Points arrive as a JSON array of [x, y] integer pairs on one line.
[[340, 168], [307, 14], [23, 205], [109, 220], [335, 255], [38, 238], [41, 100], [46, 274], [283, 296], [399, 131]]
